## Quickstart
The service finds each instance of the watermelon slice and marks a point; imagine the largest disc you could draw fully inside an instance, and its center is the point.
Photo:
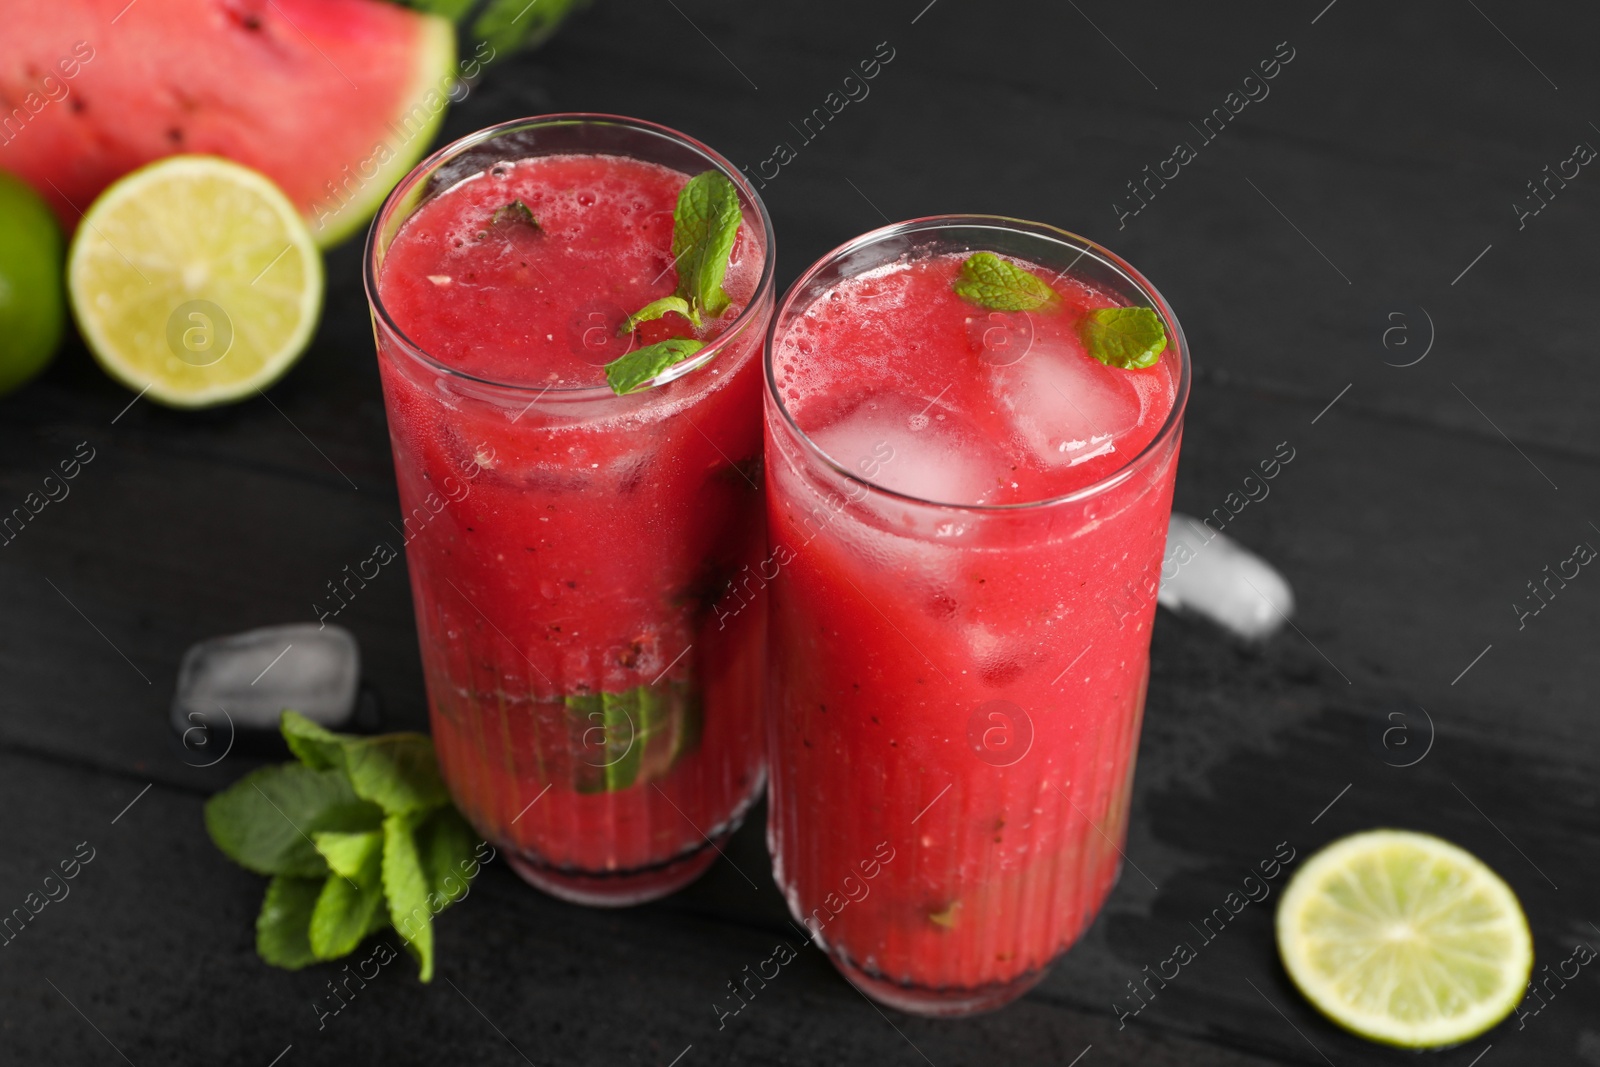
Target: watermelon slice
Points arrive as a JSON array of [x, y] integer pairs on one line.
[[332, 99]]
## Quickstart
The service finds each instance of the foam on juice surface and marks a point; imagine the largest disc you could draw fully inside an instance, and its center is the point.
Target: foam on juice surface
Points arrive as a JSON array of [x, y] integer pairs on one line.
[[910, 387], [541, 304]]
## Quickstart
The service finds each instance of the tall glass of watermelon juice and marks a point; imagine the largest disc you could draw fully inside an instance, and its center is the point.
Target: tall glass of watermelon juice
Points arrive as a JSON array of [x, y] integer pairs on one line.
[[572, 538], [967, 510]]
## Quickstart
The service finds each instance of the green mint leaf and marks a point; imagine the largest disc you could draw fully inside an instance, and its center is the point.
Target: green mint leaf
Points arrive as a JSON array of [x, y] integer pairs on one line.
[[447, 849], [1131, 337], [453, 10], [654, 310], [704, 225], [397, 772], [626, 739], [606, 729], [265, 820], [343, 915], [285, 920], [516, 211], [992, 282], [406, 886], [347, 902], [347, 855], [507, 25], [312, 744], [627, 373]]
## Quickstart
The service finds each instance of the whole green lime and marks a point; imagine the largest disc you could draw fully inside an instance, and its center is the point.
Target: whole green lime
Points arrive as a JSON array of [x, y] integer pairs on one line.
[[32, 287]]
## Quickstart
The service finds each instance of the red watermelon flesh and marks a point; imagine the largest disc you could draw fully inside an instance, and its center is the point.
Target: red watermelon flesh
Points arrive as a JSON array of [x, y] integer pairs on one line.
[[332, 99]]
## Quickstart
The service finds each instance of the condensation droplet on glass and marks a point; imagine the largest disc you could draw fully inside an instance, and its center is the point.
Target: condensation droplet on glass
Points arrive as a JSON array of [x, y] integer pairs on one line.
[[501, 170]]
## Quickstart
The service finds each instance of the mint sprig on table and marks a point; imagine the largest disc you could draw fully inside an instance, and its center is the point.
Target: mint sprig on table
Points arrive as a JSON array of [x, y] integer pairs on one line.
[[358, 835], [1130, 338], [705, 223]]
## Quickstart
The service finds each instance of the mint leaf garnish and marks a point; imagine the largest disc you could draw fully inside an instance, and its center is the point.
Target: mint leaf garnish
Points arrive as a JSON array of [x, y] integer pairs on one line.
[[607, 726], [284, 922], [627, 373], [629, 738], [358, 835], [264, 821], [1128, 337], [516, 211], [704, 225], [406, 887], [992, 282], [654, 310]]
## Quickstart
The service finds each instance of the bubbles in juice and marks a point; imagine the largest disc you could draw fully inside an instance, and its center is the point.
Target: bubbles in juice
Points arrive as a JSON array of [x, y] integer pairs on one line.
[[975, 406]]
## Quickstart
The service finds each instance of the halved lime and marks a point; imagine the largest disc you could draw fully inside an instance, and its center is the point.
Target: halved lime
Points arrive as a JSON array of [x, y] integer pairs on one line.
[[1405, 939], [196, 278], [31, 304]]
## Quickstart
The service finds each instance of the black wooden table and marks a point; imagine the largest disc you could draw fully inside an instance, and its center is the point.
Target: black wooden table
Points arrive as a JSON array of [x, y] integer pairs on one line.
[[1357, 261]]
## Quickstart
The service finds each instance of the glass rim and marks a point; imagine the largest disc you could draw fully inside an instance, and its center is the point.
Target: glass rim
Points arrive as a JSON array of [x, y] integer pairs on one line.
[[427, 166], [930, 223]]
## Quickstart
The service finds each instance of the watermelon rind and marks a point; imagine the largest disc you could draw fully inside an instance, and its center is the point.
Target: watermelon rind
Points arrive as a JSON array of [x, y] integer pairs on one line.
[[436, 65]]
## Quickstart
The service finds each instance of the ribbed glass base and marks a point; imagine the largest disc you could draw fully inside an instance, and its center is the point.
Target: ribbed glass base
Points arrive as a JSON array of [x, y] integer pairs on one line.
[[614, 889], [920, 1000]]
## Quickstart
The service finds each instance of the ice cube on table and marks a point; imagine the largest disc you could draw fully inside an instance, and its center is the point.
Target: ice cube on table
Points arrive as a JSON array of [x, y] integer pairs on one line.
[[1066, 407], [243, 682], [1213, 575], [913, 446]]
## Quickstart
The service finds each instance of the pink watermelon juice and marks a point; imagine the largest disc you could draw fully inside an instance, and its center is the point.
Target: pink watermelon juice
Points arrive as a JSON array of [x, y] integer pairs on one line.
[[967, 513], [569, 547]]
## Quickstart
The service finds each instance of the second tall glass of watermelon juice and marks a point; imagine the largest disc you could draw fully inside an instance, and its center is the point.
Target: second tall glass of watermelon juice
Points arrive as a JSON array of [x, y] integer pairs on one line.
[[594, 698], [967, 514]]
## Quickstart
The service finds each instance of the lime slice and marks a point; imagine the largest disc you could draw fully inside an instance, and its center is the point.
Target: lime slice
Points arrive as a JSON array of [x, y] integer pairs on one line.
[[1404, 938], [195, 278]]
